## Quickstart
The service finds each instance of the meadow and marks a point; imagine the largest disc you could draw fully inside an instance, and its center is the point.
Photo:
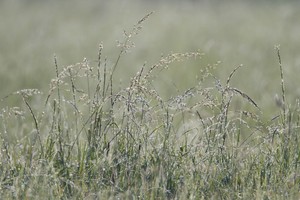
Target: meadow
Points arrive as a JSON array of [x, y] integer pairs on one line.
[[149, 100]]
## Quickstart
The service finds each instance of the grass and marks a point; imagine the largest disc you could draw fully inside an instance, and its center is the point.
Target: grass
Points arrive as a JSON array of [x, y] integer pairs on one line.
[[91, 137]]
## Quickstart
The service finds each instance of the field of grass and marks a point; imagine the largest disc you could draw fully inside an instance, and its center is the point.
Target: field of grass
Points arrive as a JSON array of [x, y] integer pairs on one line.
[[195, 100]]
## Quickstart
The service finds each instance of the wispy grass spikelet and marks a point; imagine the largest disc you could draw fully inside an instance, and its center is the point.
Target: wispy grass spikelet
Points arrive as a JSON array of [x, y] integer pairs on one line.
[[282, 85]]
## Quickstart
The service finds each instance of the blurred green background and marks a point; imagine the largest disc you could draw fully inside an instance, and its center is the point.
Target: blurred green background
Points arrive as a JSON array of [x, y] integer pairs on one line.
[[233, 32]]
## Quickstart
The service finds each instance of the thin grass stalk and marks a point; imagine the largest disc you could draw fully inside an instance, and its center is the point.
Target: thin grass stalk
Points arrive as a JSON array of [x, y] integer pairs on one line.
[[99, 61], [231, 75], [60, 138], [88, 81], [286, 134], [73, 89], [57, 76], [98, 87], [74, 103], [104, 80], [282, 87], [224, 120], [38, 135], [115, 65]]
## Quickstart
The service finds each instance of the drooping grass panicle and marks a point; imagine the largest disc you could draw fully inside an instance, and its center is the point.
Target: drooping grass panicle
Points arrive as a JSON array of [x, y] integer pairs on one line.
[[235, 90], [244, 95], [165, 61], [231, 74]]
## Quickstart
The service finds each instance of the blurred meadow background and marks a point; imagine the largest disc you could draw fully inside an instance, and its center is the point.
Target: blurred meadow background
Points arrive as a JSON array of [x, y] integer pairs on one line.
[[233, 32], [147, 135]]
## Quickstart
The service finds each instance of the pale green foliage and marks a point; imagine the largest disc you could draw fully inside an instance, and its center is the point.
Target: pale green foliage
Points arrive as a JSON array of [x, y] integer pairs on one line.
[[90, 137]]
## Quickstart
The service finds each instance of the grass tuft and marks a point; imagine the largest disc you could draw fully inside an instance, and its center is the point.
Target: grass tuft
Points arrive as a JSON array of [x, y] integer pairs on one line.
[[94, 138]]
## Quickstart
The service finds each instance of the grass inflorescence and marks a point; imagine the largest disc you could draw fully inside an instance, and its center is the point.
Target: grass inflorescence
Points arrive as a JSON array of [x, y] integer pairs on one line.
[[92, 138]]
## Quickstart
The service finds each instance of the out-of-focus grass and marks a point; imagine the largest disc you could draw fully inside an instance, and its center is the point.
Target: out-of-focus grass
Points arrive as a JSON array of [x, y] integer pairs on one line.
[[234, 33], [97, 134]]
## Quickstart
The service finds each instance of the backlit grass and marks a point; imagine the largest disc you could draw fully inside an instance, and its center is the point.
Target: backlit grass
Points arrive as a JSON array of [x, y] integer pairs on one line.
[[180, 126]]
